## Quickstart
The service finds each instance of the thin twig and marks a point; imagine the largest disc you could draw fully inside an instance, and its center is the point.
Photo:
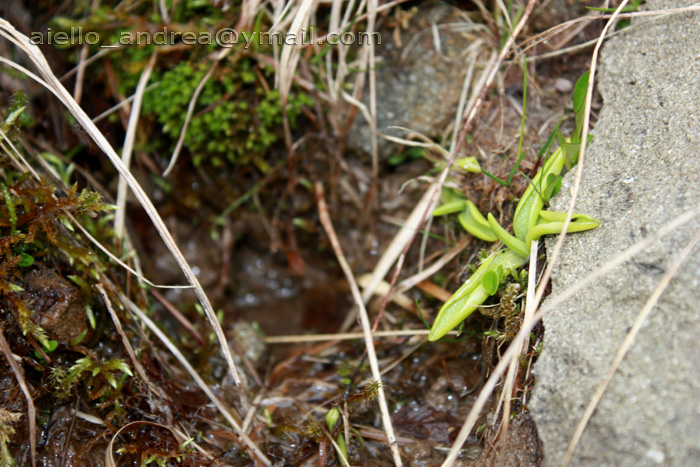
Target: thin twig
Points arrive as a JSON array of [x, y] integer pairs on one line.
[[122, 190], [369, 340], [127, 345]]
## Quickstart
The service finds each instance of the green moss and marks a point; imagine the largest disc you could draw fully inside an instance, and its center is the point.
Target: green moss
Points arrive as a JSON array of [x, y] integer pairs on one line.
[[234, 119]]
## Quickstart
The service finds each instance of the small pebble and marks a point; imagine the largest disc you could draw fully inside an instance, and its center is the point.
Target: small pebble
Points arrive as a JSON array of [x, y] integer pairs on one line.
[[563, 85]]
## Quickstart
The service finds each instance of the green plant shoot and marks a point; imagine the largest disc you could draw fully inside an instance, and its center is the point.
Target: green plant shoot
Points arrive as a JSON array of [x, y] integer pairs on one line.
[[530, 222]]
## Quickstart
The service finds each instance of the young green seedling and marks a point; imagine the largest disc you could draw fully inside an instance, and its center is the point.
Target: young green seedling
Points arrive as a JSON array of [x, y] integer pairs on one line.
[[530, 222]]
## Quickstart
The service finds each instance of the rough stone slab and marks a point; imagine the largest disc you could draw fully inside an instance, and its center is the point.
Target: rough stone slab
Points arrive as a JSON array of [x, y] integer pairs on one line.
[[641, 171]]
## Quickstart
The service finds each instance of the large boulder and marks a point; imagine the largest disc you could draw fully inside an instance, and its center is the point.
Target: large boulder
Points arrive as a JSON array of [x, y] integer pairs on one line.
[[642, 171]]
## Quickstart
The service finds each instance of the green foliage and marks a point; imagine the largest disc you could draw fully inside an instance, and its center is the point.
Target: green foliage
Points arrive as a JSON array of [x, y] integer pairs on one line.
[[235, 119], [530, 222], [63, 380]]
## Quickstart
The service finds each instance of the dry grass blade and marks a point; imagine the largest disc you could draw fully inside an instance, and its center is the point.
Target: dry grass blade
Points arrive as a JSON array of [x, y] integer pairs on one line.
[[290, 52], [508, 388], [127, 345], [400, 240], [530, 303], [31, 410], [80, 79], [346, 336], [382, 289], [366, 328], [190, 110], [626, 344], [549, 33], [371, 18], [198, 379], [24, 165], [53, 84], [122, 190], [414, 280], [104, 250]]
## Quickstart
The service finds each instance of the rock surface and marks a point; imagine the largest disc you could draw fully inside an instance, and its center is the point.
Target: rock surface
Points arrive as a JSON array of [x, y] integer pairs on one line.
[[641, 171], [418, 82]]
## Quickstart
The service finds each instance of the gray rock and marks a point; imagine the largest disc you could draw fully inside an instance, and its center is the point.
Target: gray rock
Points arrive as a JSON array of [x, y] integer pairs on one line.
[[418, 87], [641, 171]]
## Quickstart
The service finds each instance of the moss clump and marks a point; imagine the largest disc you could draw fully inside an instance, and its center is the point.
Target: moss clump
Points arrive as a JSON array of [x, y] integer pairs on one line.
[[32, 228], [235, 119]]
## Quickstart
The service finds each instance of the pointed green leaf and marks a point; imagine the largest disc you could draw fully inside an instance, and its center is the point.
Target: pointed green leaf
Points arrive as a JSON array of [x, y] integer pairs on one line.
[[472, 294], [530, 205], [552, 136], [579, 223]]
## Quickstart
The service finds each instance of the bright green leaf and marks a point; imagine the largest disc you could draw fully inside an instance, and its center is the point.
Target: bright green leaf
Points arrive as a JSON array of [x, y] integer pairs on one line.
[[491, 281]]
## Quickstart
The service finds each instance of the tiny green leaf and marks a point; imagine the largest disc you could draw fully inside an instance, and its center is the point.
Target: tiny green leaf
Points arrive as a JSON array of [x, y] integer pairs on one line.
[[26, 260], [332, 418], [470, 164], [79, 338], [110, 379], [490, 282], [91, 316], [14, 115]]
